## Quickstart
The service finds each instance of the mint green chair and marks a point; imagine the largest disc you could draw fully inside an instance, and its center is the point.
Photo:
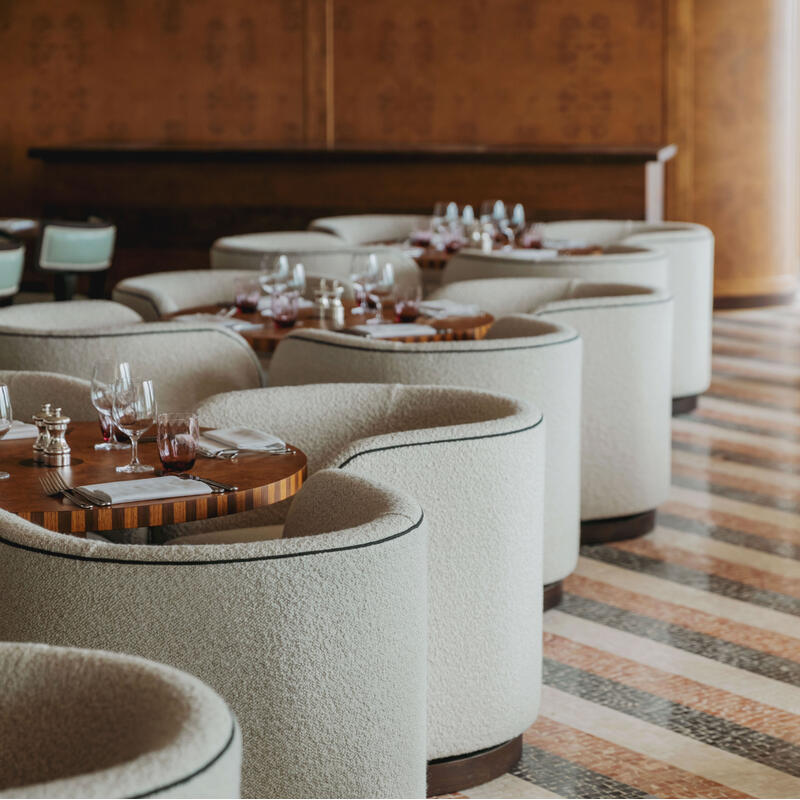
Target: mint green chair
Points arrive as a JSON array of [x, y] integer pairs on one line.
[[69, 248], [12, 260]]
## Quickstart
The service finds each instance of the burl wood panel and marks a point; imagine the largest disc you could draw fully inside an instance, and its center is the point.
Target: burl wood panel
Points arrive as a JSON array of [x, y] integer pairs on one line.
[[745, 142], [498, 71], [160, 70]]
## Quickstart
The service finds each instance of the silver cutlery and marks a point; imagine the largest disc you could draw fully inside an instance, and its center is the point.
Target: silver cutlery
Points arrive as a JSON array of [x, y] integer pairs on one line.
[[95, 498], [50, 488], [215, 485]]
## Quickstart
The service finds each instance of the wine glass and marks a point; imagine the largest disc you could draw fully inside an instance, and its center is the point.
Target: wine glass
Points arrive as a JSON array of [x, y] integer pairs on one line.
[[297, 280], [134, 411], [379, 287], [362, 265], [6, 418], [104, 376], [274, 271]]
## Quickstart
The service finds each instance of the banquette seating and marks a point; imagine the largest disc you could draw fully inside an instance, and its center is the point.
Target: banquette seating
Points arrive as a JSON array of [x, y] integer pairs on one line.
[[77, 314], [187, 361], [690, 279], [360, 229], [625, 441], [245, 251], [86, 723], [643, 259], [12, 261], [316, 640], [533, 359], [475, 462], [161, 293], [30, 389]]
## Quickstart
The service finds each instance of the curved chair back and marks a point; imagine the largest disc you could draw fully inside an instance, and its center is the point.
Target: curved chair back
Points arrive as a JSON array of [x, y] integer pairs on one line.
[[65, 316], [28, 390], [161, 293], [86, 723], [245, 251], [532, 359], [12, 261], [640, 266], [336, 263], [690, 279], [359, 229], [187, 362], [76, 246], [317, 641], [475, 462], [627, 345]]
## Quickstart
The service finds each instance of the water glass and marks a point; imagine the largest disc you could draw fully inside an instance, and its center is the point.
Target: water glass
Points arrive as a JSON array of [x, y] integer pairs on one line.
[[178, 437], [406, 302]]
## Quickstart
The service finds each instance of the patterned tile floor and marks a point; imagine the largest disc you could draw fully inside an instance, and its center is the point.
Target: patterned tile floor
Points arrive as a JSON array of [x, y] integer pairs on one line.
[[672, 668]]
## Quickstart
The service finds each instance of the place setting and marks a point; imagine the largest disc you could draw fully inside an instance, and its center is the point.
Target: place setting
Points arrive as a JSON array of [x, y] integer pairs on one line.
[[150, 468]]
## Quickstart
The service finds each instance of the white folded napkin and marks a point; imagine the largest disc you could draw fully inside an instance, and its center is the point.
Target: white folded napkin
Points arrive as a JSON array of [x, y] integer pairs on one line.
[[148, 489], [447, 308], [393, 330], [229, 322], [20, 430], [242, 439]]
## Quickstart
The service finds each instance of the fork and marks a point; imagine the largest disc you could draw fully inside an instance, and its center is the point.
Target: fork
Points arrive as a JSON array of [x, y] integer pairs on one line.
[[88, 496], [50, 488]]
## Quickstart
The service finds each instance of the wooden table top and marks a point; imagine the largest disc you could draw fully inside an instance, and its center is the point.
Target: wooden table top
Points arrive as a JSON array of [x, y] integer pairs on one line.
[[266, 338], [262, 480]]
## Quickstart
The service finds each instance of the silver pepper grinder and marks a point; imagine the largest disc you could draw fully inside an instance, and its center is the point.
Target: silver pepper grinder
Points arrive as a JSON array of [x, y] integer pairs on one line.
[[43, 437], [57, 451], [337, 306]]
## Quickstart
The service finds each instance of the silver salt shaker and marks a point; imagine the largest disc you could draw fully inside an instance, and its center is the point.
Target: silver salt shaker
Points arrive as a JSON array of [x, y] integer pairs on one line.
[[57, 451], [43, 437]]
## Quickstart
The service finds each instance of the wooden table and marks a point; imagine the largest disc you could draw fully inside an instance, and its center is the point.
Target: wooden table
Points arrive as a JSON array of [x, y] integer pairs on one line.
[[262, 480], [266, 338]]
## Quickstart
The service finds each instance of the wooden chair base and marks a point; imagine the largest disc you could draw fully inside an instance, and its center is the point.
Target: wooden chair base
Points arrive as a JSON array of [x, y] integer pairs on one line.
[[553, 594], [684, 405], [615, 529], [448, 775]]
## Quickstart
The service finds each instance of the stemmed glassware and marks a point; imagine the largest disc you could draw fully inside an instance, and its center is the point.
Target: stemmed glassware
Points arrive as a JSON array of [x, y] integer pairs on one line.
[[362, 267], [6, 418], [379, 286], [274, 273], [134, 411], [104, 376]]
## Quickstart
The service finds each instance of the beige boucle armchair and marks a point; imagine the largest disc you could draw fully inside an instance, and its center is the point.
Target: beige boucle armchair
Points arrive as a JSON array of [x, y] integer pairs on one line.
[[87, 723], [474, 460], [317, 640]]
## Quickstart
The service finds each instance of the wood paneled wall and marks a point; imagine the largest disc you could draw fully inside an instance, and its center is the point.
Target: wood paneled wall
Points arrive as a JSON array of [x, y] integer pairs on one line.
[[717, 77], [326, 72]]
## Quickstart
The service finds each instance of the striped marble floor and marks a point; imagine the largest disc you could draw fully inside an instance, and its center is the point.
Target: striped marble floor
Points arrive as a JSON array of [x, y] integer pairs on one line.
[[672, 669]]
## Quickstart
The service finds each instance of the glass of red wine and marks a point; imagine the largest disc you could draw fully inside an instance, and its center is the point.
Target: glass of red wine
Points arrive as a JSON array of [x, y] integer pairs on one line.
[[178, 435], [284, 309], [406, 302], [247, 293], [104, 376]]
